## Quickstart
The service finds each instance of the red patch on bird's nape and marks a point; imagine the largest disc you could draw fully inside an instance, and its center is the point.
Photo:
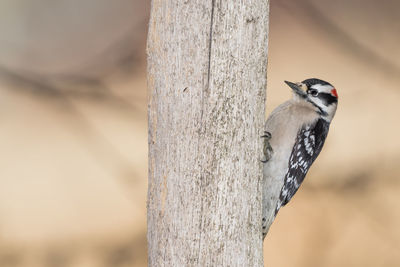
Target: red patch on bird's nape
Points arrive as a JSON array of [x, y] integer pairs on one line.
[[333, 92]]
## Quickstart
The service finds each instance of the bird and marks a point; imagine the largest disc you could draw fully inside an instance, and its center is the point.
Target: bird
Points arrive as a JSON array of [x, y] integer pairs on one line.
[[295, 133]]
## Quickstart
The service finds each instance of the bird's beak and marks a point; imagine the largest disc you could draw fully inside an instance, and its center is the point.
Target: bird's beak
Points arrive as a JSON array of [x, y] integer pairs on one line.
[[296, 88]]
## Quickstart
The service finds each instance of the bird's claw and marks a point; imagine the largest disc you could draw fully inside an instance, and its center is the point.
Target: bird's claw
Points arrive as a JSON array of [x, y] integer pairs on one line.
[[267, 135], [267, 149]]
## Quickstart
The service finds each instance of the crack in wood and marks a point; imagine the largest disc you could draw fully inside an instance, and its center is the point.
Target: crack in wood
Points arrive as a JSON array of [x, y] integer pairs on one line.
[[210, 44], [202, 132]]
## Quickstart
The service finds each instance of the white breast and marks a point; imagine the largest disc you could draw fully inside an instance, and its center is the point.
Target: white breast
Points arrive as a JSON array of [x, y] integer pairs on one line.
[[283, 124]]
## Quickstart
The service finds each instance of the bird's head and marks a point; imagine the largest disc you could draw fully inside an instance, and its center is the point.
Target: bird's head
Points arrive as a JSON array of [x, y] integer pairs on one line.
[[322, 95]]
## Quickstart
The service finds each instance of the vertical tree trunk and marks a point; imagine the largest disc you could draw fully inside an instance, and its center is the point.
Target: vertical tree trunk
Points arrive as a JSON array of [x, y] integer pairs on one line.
[[207, 64]]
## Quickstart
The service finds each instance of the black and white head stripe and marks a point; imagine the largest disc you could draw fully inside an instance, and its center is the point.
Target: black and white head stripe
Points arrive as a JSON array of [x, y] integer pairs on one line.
[[323, 96], [308, 145], [327, 98], [322, 89]]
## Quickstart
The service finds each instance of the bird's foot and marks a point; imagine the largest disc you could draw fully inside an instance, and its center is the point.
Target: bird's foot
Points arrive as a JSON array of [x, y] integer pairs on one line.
[[267, 149], [266, 135]]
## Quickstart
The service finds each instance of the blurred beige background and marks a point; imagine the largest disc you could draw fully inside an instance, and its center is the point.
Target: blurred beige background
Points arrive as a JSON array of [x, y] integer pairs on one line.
[[73, 133]]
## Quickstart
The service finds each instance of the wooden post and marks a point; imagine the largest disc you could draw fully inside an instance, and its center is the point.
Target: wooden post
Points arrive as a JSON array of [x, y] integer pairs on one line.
[[207, 65]]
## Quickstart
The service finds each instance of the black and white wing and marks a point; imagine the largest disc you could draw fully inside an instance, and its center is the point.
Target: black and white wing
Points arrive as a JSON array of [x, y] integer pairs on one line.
[[308, 145]]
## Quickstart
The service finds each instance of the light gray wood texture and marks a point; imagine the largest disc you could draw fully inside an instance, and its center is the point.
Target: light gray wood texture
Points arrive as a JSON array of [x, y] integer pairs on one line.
[[207, 64]]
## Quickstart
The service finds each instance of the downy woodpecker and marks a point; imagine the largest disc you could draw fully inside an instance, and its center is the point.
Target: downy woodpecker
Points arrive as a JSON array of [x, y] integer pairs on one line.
[[294, 135]]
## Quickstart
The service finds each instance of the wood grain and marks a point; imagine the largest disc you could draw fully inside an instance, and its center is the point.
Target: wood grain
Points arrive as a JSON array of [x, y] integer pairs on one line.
[[207, 64]]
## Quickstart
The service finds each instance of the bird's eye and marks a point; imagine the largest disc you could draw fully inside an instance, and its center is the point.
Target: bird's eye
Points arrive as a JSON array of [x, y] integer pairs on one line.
[[312, 92]]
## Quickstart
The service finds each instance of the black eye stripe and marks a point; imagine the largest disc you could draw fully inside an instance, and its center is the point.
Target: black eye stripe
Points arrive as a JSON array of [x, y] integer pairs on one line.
[[327, 98]]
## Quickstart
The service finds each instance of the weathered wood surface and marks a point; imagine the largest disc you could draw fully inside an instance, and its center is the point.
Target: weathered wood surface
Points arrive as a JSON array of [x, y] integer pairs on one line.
[[207, 64]]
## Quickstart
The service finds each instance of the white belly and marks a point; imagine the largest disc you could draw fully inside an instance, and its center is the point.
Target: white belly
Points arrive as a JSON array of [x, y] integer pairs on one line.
[[283, 126]]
